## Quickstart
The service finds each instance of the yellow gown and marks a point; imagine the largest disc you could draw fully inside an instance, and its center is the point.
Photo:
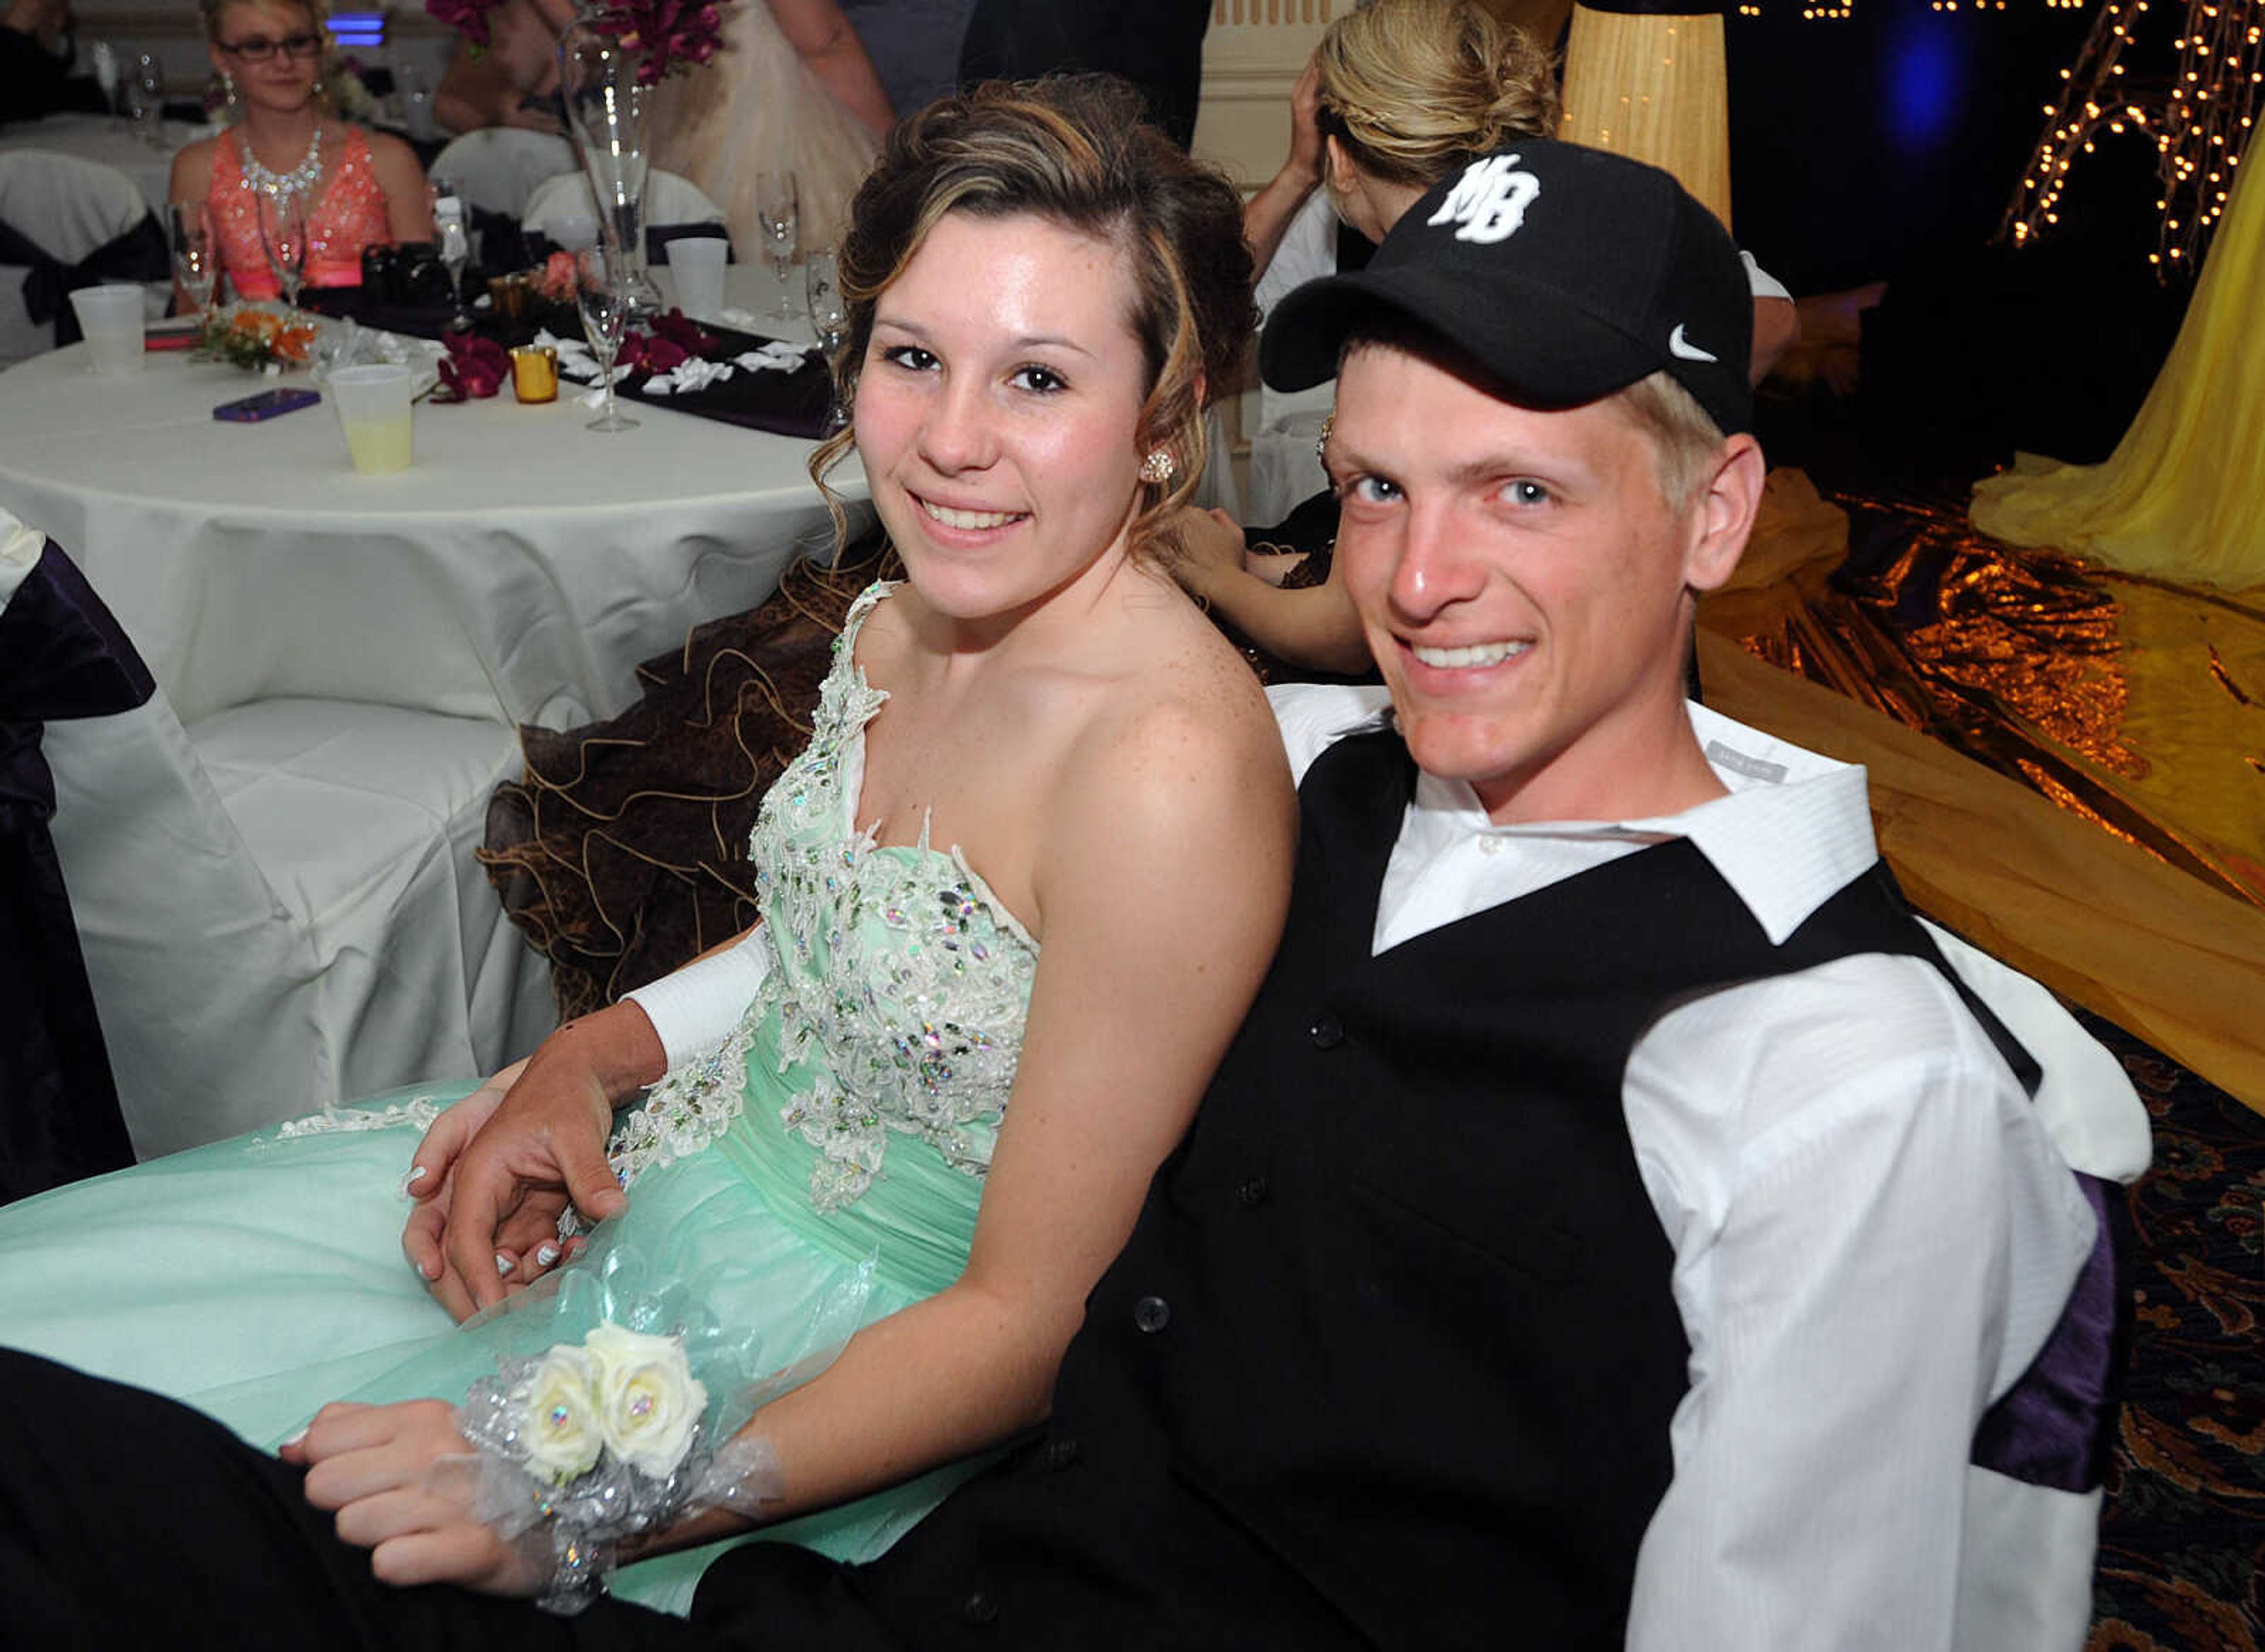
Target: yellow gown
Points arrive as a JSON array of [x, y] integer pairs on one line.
[[2182, 497]]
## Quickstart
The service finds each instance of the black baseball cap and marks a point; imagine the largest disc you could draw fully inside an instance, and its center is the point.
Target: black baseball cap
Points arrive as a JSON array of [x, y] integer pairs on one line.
[[1563, 273]]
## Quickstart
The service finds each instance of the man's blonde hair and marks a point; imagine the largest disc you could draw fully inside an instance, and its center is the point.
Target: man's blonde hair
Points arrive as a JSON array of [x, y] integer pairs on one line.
[[1684, 438]]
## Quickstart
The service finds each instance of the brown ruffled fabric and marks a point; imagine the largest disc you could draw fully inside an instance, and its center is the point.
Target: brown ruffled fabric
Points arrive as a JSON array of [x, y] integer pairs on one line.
[[623, 852]]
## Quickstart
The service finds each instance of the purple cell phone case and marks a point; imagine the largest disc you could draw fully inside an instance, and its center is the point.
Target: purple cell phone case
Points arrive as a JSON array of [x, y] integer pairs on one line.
[[266, 404]]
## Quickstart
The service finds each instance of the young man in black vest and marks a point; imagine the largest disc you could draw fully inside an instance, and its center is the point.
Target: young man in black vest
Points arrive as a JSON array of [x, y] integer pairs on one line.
[[1614, 1224]]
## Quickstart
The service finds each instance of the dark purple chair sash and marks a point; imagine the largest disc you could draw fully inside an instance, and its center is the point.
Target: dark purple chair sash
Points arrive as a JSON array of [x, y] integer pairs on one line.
[[2055, 1426], [62, 655]]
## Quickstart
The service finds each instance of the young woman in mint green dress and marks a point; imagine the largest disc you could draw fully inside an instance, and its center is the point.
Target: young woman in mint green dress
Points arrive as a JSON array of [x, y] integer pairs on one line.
[[1016, 894]]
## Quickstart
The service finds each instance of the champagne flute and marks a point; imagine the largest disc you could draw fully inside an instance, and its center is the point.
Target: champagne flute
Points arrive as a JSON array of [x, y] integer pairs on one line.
[[456, 253], [602, 290], [829, 317], [107, 76], [195, 264], [283, 236], [775, 208], [149, 109]]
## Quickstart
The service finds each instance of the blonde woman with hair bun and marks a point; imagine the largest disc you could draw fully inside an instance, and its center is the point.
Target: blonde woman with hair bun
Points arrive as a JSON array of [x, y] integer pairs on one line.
[[361, 188], [1399, 94]]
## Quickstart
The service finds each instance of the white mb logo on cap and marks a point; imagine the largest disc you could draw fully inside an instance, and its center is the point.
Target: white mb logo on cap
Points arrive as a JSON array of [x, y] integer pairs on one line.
[[1489, 200]]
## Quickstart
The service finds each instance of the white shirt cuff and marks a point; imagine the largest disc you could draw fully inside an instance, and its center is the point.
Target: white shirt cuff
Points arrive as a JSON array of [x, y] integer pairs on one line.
[[699, 1005]]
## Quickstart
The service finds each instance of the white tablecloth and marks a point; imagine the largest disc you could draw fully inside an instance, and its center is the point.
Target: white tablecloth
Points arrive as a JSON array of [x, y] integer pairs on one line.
[[518, 572], [97, 137]]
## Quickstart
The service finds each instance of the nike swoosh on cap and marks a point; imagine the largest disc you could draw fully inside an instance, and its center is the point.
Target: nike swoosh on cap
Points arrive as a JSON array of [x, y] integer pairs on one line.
[[1678, 345]]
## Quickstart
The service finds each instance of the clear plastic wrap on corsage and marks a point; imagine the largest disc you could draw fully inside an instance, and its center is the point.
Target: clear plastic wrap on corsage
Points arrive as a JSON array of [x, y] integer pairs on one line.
[[587, 1443]]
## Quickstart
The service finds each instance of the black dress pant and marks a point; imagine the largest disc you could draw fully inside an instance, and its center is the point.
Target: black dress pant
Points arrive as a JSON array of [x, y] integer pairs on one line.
[[126, 1520]]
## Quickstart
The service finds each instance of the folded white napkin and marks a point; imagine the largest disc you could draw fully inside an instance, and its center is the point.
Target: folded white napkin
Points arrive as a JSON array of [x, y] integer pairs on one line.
[[774, 357], [694, 373]]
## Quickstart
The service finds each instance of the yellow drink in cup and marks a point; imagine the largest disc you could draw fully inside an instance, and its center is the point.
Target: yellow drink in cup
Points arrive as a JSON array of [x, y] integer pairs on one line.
[[379, 445], [373, 405]]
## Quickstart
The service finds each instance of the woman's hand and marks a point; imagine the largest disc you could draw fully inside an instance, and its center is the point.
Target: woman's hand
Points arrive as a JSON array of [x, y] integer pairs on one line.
[[1211, 546], [503, 1169], [526, 1246], [1304, 164], [403, 1482]]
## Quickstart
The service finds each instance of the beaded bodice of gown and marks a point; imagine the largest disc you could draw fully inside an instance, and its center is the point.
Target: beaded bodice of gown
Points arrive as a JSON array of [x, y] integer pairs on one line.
[[348, 214], [898, 984]]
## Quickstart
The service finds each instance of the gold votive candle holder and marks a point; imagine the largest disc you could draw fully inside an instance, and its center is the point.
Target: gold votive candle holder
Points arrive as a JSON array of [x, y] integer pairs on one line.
[[509, 294], [535, 373]]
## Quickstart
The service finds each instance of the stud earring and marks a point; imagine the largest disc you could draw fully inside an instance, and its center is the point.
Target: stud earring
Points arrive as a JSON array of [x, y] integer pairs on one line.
[[1158, 469]]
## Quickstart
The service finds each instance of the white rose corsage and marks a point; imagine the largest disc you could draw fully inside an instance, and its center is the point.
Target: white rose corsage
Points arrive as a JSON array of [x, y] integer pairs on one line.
[[588, 1443]]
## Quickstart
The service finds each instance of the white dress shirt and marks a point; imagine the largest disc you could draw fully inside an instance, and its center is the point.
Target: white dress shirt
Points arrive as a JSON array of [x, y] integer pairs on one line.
[[1873, 1230]]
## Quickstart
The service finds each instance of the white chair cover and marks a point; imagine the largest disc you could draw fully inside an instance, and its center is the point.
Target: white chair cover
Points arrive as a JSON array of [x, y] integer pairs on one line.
[[498, 167], [1285, 469], [68, 208], [668, 199], [279, 908]]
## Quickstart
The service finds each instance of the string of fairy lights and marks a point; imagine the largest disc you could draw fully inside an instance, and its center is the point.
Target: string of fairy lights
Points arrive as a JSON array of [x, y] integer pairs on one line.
[[2198, 118], [2199, 121]]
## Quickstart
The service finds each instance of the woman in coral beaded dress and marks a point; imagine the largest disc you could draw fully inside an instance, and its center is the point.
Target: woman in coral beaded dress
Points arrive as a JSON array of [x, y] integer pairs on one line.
[[361, 188]]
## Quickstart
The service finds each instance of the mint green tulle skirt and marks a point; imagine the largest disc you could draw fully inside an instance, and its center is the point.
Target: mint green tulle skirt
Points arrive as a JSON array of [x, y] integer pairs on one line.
[[259, 1278]]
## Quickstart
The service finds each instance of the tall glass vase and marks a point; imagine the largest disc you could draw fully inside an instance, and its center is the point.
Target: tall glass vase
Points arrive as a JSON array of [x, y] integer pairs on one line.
[[607, 110]]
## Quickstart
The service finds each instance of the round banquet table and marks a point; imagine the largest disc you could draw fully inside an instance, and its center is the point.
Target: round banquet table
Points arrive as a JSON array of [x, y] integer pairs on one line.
[[517, 571]]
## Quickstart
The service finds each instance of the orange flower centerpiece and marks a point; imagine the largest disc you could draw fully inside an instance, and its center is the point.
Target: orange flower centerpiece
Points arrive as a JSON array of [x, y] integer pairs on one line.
[[259, 340]]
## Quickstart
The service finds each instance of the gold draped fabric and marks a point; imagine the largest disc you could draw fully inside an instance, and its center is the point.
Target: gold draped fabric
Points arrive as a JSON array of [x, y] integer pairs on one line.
[[1654, 89], [2183, 495], [2066, 762]]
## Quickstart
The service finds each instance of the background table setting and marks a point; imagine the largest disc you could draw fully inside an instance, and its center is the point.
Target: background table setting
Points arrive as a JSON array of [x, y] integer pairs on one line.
[[344, 659], [517, 570]]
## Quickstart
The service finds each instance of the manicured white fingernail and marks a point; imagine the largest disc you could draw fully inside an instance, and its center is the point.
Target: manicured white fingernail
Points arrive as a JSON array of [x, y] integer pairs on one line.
[[294, 1440], [412, 1179], [545, 1254], [504, 1265]]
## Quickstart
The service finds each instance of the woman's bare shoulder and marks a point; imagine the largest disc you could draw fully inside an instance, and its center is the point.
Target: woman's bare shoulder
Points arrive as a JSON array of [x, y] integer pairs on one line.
[[192, 166], [393, 159], [1185, 701]]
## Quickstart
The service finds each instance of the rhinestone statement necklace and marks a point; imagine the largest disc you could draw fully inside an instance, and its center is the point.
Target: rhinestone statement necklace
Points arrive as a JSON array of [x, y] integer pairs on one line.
[[300, 179]]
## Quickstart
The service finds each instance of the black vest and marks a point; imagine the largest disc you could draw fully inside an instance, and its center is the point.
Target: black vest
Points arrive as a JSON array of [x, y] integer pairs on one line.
[[1391, 1355]]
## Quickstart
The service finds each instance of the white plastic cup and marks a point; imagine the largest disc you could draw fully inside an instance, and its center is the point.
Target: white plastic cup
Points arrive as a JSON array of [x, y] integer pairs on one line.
[[111, 316], [373, 405], [698, 262]]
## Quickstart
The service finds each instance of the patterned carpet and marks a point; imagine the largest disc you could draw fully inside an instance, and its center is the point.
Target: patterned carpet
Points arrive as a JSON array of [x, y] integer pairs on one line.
[[2182, 1538]]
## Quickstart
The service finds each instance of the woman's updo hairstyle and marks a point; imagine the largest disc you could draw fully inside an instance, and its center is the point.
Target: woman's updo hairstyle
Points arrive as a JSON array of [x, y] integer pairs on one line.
[[1074, 150], [1416, 89]]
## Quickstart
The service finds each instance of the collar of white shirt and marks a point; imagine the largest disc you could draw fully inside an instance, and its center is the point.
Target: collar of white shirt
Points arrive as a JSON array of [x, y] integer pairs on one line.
[[1794, 827]]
